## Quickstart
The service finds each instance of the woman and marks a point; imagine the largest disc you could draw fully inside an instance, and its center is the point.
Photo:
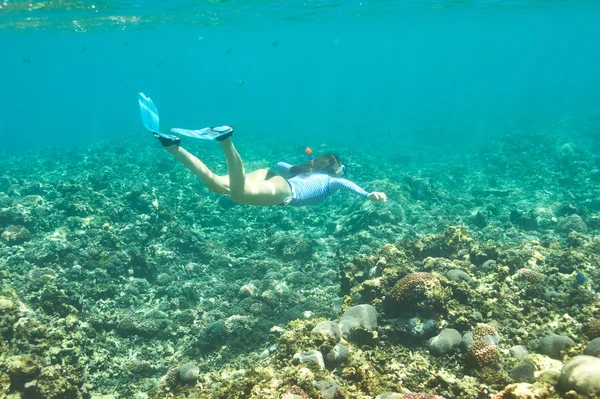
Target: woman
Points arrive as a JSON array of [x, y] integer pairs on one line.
[[306, 184]]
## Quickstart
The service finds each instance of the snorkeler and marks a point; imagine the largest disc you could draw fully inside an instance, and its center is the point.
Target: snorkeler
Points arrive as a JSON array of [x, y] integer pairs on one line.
[[295, 185]]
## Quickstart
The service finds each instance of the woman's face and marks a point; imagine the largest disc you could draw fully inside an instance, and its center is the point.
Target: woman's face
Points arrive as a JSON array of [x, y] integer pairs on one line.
[[341, 171]]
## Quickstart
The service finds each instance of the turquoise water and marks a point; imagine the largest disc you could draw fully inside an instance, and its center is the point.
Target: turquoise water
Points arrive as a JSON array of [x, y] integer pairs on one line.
[[305, 72], [123, 276]]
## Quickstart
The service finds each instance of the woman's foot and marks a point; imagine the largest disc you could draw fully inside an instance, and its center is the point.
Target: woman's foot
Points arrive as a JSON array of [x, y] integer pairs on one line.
[[167, 140], [220, 132]]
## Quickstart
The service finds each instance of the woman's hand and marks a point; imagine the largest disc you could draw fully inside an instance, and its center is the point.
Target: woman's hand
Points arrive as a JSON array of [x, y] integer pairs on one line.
[[377, 197]]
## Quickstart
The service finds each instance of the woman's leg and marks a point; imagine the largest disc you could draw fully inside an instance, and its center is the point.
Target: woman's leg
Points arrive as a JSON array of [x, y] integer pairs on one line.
[[235, 169], [258, 175], [216, 184], [251, 192]]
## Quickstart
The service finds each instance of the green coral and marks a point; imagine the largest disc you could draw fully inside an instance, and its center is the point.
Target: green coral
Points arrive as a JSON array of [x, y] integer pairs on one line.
[[15, 235], [367, 276], [22, 369], [57, 382], [493, 376], [9, 313], [454, 240], [146, 324]]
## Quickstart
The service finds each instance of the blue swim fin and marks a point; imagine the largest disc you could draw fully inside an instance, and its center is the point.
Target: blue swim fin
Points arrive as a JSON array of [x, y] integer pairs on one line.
[[151, 121], [149, 114], [208, 133]]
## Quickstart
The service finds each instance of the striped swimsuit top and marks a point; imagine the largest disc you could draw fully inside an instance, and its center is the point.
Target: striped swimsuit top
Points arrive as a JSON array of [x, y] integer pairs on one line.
[[314, 188]]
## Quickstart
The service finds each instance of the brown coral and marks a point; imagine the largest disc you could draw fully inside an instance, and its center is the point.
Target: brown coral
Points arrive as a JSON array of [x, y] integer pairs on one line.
[[531, 276], [532, 284], [482, 354], [414, 287], [481, 330]]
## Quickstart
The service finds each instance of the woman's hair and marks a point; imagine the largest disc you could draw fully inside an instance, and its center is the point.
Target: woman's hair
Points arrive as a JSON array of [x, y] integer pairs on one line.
[[329, 164]]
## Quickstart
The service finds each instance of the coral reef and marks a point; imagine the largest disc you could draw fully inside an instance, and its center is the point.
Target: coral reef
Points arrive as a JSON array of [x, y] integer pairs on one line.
[[482, 354], [122, 276], [415, 290]]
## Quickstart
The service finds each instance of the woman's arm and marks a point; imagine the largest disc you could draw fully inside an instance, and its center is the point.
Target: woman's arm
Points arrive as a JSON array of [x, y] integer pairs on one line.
[[337, 184], [283, 169]]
